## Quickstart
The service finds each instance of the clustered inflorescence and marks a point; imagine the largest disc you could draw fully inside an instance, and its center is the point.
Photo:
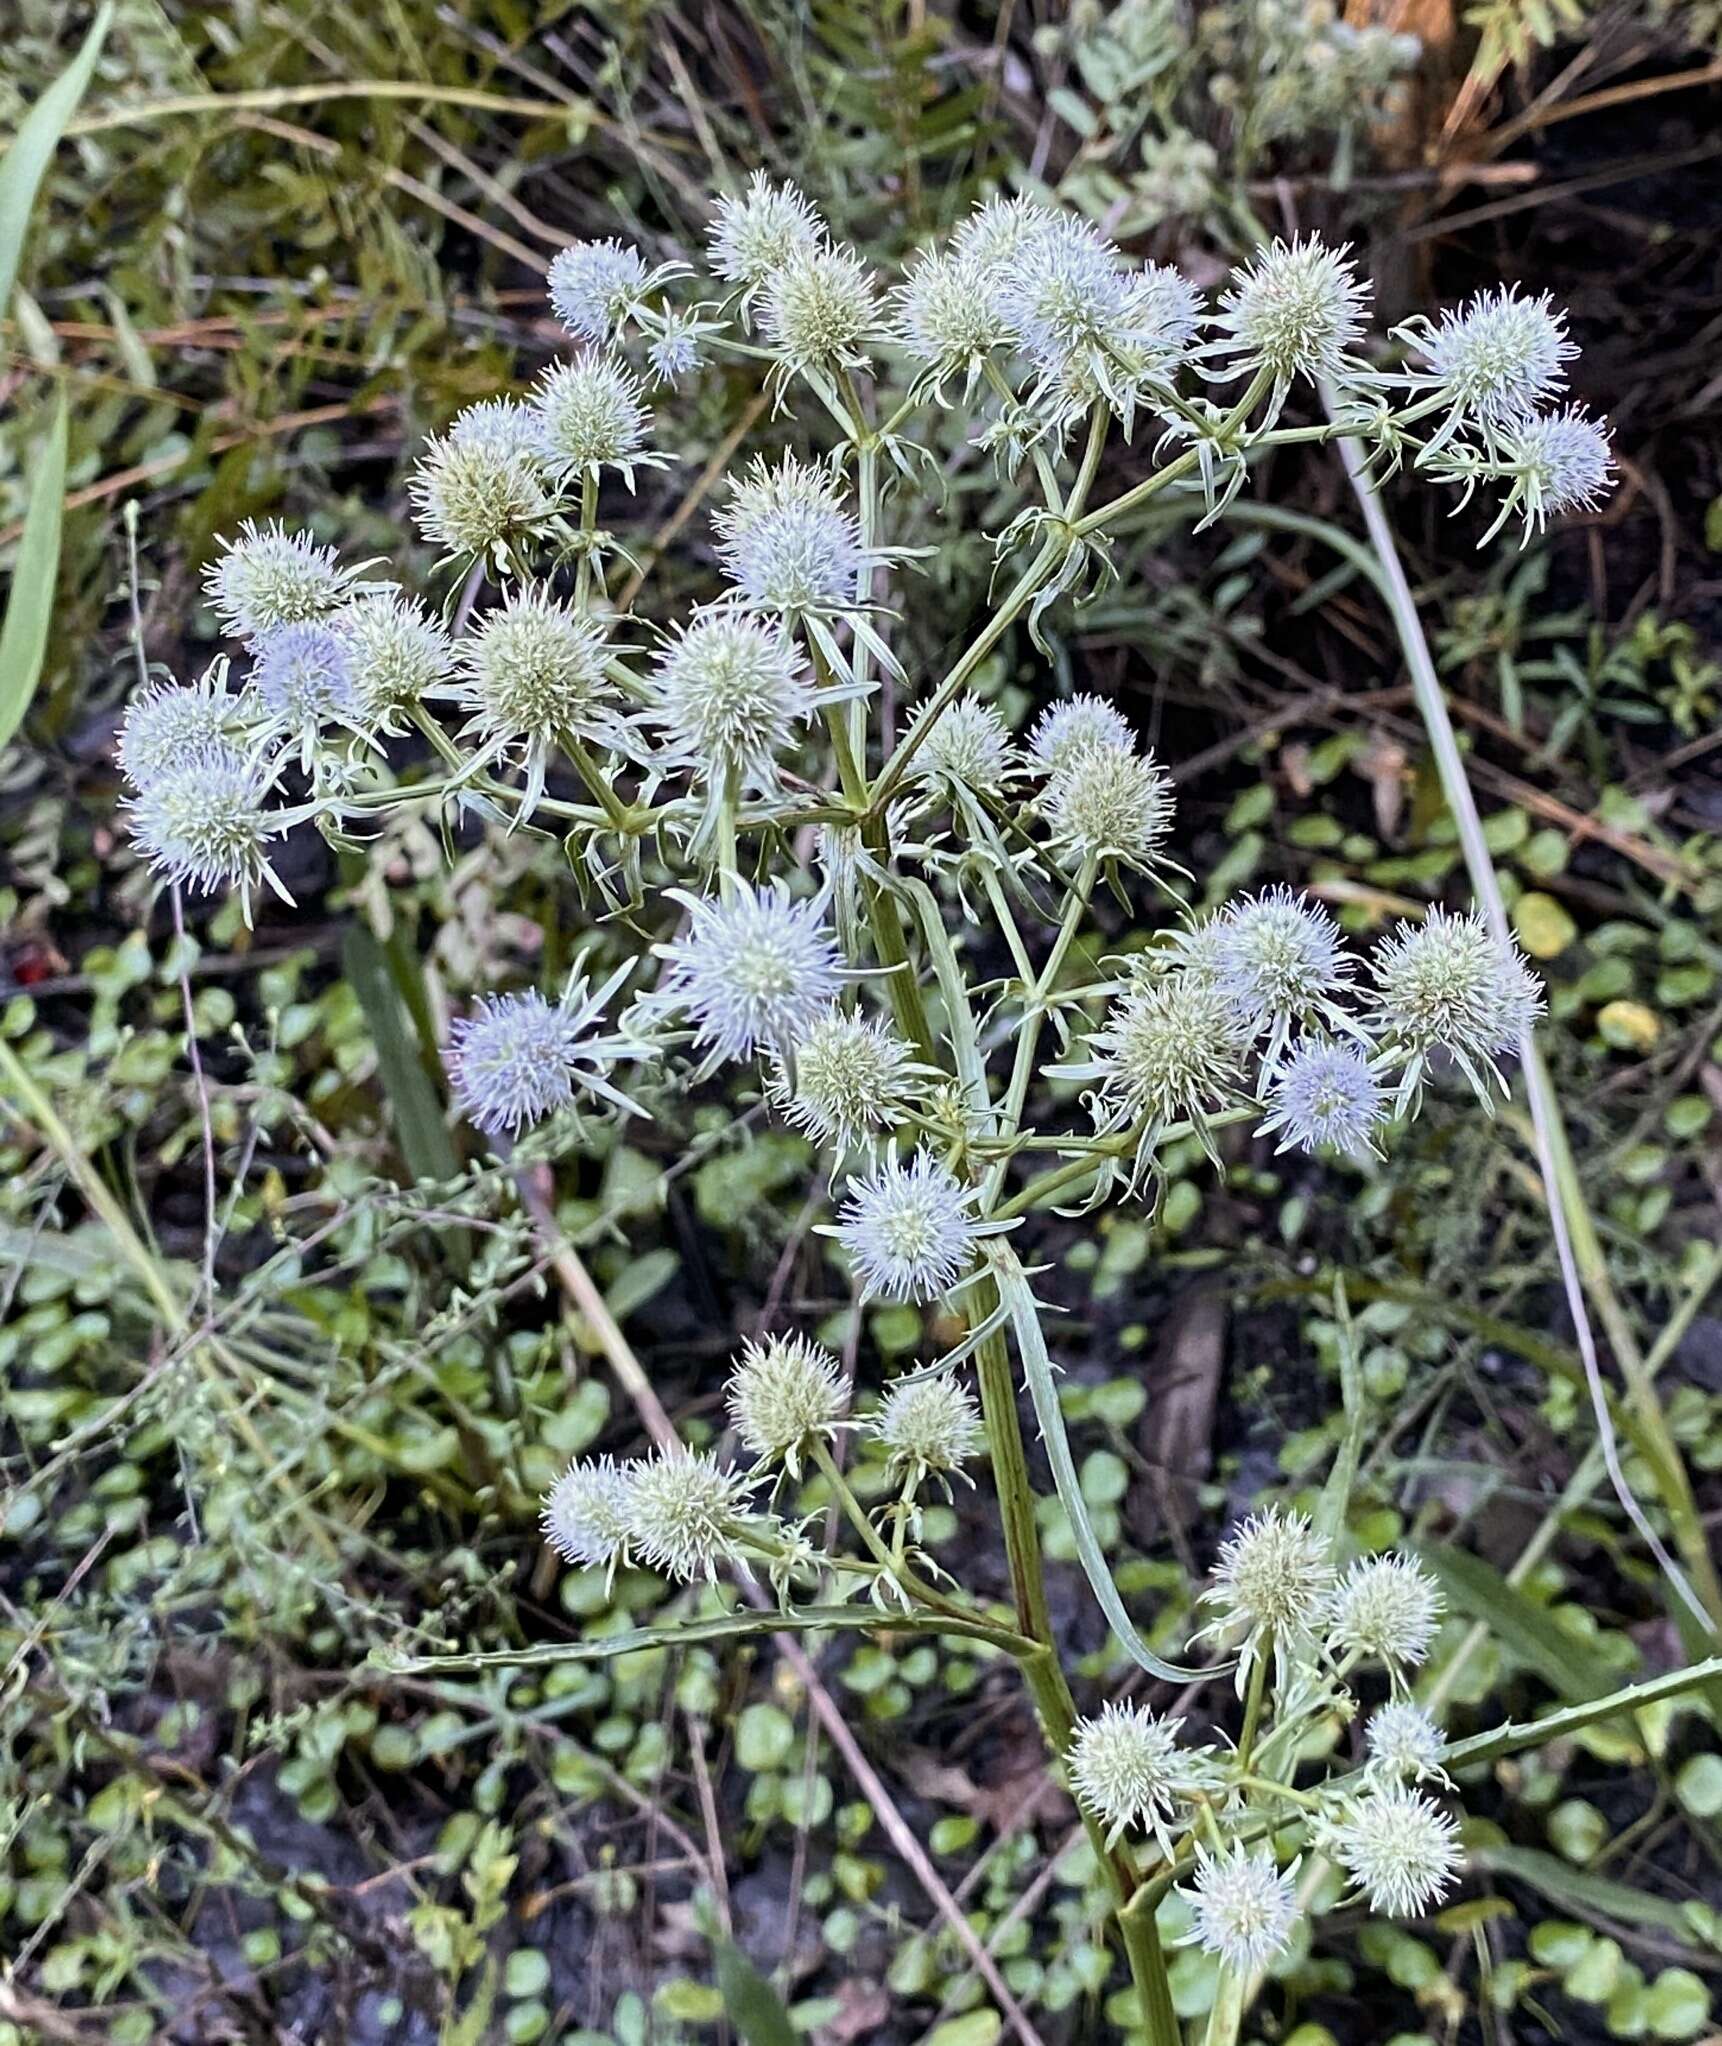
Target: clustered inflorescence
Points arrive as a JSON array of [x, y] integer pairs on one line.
[[813, 872]]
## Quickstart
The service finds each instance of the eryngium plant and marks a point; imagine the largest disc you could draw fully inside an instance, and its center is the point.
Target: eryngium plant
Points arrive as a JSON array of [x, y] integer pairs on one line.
[[919, 994]]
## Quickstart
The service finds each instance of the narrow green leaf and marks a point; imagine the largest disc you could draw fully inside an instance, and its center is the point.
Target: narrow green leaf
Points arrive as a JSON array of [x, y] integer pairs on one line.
[[685, 1633], [751, 2004], [1519, 1623], [1336, 1493], [425, 1142], [1015, 1292], [33, 147], [30, 602], [1564, 1884]]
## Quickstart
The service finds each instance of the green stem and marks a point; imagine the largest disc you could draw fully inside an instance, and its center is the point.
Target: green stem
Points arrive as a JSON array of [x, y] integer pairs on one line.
[[1253, 1702], [1583, 1267]]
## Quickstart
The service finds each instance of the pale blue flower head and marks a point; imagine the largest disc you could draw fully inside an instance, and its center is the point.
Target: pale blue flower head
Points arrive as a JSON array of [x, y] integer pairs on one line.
[[593, 286]]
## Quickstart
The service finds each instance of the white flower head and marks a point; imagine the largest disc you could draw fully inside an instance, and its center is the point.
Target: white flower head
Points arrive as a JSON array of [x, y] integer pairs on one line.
[[520, 1058], [1562, 462], [269, 578], [783, 1393], [1128, 1769], [1404, 1742], [754, 969], [585, 1516], [1499, 358], [532, 674], [1245, 1906], [1295, 309], [167, 721], [475, 496], [204, 820], [1400, 1849], [676, 347], [730, 691], [1167, 1050], [594, 286], [1065, 294], [908, 1229], [1325, 1094], [820, 310], [1105, 804], [1280, 960], [946, 317], [395, 652], [591, 415], [1080, 724], [1271, 1580], [969, 747], [303, 675], [504, 425], [928, 1427], [788, 541], [1387, 1607], [1447, 984], [684, 1512], [848, 1079], [755, 235], [995, 237]]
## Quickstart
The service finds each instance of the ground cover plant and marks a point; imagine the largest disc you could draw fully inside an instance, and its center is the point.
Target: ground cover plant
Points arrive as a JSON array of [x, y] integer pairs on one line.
[[772, 965]]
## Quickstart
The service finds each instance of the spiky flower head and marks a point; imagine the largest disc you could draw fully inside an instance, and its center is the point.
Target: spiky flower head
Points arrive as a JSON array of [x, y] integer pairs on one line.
[[787, 541], [167, 721], [472, 497], [1167, 1051], [304, 677], [1563, 462], [1401, 1849], [782, 1394], [945, 316], [1127, 1769], [908, 1229], [514, 1061], [1080, 724], [591, 415], [677, 347], [1499, 358], [928, 1427], [585, 1517], [594, 285], [1245, 1906], [502, 424], [1272, 1577], [1404, 1742], [1105, 804], [848, 1079], [395, 651], [1066, 294], [1325, 1094], [1387, 1607], [757, 234], [730, 690], [268, 578], [820, 310], [1447, 982], [204, 820], [753, 969], [1280, 959], [519, 1058], [995, 237], [534, 669], [1295, 309], [684, 1512], [969, 747]]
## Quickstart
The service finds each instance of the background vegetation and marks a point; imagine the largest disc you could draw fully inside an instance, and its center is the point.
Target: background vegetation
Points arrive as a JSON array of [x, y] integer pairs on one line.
[[278, 243]]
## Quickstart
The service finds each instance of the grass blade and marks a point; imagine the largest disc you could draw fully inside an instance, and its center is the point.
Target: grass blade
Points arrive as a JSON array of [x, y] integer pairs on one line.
[[425, 1142], [1520, 1624], [30, 602], [33, 148]]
